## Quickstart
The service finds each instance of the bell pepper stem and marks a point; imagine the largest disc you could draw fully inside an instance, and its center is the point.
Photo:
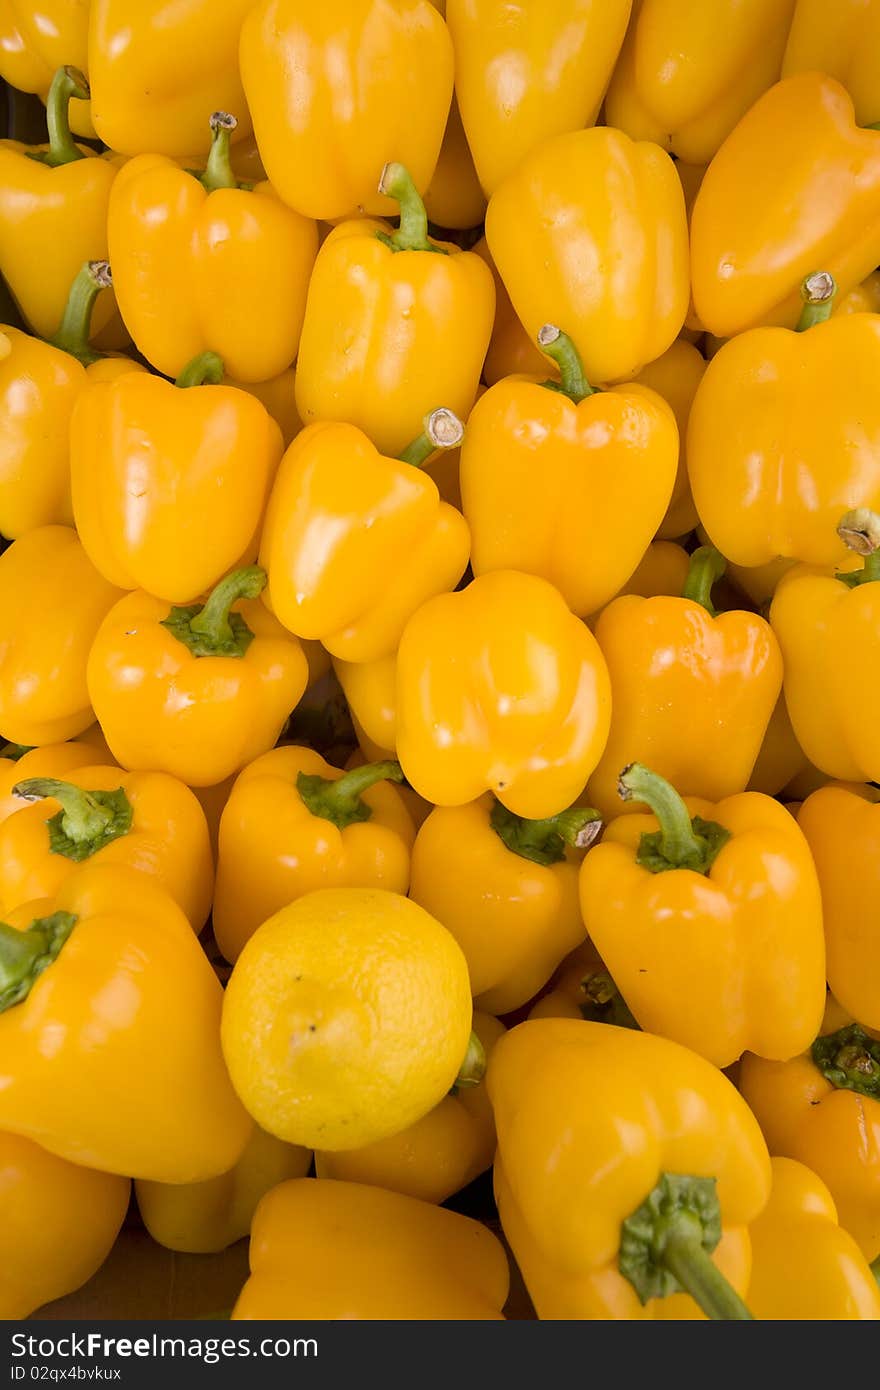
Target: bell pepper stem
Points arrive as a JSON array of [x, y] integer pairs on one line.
[[14, 751], [860, 532], [412, 235], [212, 622], [73, 332], [558, 345], [604, 1003], [339, 800], [67, 83], [473, 1067], [688, 1262], [850, 1060], [83, 818], [817, 292], [443, 430], [706, 567], [544, 841], [681, 842], [25, 954], [204, 370], [218, 170]]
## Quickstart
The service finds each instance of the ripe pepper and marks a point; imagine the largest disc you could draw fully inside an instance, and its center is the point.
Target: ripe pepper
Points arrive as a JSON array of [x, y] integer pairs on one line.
[[662, 571], [354, 541], [864, 299], [278, 396], [45, 641], [395, 324], [524, 73], [590, 232], [507, 889], [35, 40], [771, 472], [799, 157], [370, 689], [677, 85], [692, 690], [583, 988], [823, 1109], [500, 688], [197, 692], [454, 197], [438, 1155], [203, 1217], [146, 820], [548, 469], [293, 824], [780, 758], [322, 1249], [18, 762], [204, 263], [625, 1163], [804, 1266], [60, 1223], [842, 828], [675, 376], [374, 83], [169, 484], [110, 1032], [156, 72], [711, 925], [510, 350], [842, 40]]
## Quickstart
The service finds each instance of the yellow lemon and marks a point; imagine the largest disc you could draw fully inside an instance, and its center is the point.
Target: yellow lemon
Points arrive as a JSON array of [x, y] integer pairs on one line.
[[346, 1018]]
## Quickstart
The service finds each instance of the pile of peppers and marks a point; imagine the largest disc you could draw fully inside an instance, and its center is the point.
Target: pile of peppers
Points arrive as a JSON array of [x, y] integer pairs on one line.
[[440, 465]]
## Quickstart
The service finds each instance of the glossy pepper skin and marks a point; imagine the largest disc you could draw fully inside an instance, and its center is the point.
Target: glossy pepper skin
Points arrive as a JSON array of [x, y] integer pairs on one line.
[[60, 1225], [589, 232], [293, 824], [591, 1120], [370, 689], [500, 688], [204, 1217], [374, 83], [355, 541], [158, 73], [507, 890], [780, 758], [45, 642], [842, 40], [711, 928], [511, 351], [692, 691], [36, 40], [438, 1155], [197, 692], [454, 197], [518, 82], [203, 264], [395, 325], [145, 820], [170, 481], [662, 571], [799, 157], [677, 85], [324, 1249], [805, 1266], [547, 474], [675, 375], [110, 1030]]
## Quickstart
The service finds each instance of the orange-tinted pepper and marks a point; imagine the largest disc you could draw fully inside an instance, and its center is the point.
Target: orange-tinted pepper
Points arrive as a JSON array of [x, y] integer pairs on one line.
[[842, 40]]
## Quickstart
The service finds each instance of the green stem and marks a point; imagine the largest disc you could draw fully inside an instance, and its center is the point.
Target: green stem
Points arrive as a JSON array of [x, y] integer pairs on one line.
[[218, 170], [604, 1003], [340, 800], [14, 751], [705, 568], [67, 83], [850, 1060], [86, 822], [560, 347], [860, 531], [211, 629], [24, 955], [473, 1067], [443, 430], [204, 370], [697, 1273], [73, 332], [817, 292], [412, 235], [681, 842], [545, 841]]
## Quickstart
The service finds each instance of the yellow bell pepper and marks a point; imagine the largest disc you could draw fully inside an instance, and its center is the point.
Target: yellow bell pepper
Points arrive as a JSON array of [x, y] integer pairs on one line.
[[373, 84], [711, 924], [511, 351], [500, 688], [677, 85], [395, 325], [146, 820], [865, 298], [583, 988], [59, 1226], [438, 1155], [524, 73], [199, 691], [18, 762], [110, 1032], [203, 1217], [206, 265], [157, 73], [548, 471], [278, 396], [842, 40], [170, 484], [454, 197], [627, 1173], [804, 1266], [780, 757], [354, 541], [798, 156], [577, 205], [293, 824], [757, 582], [52, 602], [340, 1250], [675, 376], [370, 689], [692, 690], [507, 889], [662, 571], [36, 40]]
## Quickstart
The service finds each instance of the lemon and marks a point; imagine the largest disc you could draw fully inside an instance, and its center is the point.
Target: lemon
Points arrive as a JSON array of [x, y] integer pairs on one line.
[[346, 1018]]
